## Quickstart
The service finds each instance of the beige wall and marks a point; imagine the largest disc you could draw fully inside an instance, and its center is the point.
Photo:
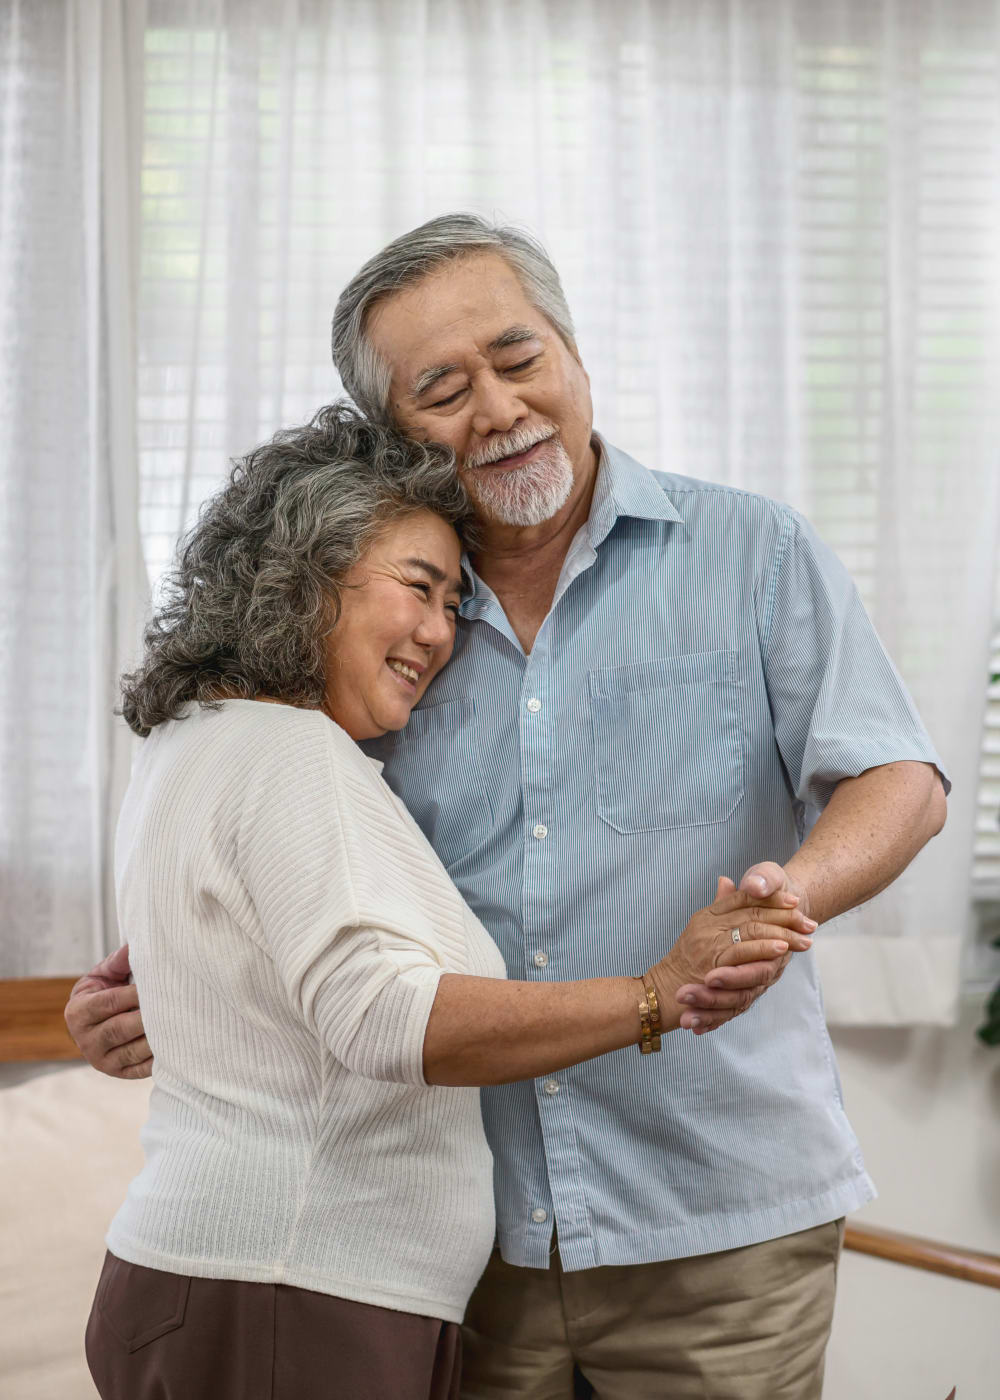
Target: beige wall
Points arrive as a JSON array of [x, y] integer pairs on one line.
[[926, 1106]]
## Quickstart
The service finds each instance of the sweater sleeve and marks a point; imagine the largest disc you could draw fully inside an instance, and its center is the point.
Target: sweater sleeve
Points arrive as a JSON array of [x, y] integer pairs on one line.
[[363, 983]]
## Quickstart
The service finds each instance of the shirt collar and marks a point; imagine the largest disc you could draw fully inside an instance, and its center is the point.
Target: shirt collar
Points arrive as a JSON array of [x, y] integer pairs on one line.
[[623, 487]]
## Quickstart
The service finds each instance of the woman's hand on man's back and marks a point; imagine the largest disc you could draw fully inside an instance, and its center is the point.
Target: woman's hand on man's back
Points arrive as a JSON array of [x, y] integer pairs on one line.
[[104, 1019]]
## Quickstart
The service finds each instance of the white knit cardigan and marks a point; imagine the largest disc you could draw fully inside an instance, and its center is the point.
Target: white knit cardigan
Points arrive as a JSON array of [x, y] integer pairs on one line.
[[288, 924]]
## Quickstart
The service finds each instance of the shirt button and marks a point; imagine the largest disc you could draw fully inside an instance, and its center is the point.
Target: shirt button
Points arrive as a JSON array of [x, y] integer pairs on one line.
[[551, 1086], [541, 959], [540, 832], [539, 1216], [534, 704]]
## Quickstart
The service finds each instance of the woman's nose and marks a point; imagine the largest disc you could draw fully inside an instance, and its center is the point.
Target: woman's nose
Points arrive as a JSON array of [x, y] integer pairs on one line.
[[435, 629]]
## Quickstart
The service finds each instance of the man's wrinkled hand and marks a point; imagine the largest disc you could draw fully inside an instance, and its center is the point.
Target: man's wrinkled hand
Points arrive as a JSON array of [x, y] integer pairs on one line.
[[103, 1017]]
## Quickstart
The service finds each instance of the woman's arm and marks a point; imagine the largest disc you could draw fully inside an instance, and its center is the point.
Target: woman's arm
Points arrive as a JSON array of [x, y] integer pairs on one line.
[[482, 1031]]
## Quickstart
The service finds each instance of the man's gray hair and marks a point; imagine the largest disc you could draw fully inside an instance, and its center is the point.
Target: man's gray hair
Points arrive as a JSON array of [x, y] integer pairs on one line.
[[257, 583], [363, 372]]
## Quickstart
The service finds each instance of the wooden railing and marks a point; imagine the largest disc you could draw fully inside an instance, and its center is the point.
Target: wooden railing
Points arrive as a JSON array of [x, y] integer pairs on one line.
[[917, 1253], [31, 1019]]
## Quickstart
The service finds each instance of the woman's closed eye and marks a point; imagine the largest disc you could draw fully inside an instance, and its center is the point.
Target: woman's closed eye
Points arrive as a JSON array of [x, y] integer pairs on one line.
[[425, 589]]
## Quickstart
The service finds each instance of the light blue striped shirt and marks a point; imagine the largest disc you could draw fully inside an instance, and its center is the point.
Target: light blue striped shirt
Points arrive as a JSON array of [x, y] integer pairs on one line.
[[705, 677]]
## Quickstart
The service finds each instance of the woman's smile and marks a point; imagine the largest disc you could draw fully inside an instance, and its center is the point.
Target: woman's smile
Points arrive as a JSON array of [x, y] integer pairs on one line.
[[396, 626]]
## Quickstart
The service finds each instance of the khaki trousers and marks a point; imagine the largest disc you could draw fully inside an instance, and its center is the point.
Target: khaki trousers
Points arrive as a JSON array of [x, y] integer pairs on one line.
[[745, 1324]]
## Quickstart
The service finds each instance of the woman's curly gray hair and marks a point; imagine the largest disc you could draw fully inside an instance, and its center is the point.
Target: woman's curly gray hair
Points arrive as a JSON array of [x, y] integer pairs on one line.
[[257, 583]]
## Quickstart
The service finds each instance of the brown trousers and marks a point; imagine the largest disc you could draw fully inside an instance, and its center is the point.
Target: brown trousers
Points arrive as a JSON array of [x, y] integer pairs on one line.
[[744, 1324], [161, 1336]]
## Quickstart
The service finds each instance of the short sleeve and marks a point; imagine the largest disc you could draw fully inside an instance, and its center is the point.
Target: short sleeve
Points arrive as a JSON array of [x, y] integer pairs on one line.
[[838, 702]]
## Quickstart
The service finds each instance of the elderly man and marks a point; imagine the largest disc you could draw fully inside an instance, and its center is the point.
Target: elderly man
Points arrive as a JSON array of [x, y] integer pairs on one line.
[[655, 679]]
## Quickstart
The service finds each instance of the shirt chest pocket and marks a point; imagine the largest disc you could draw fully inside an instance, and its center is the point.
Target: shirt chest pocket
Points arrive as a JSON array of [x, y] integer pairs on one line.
[[668, 741]]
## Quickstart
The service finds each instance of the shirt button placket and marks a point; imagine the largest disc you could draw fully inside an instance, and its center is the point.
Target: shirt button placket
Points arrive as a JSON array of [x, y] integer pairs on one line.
[[536, 789], [538, 894]]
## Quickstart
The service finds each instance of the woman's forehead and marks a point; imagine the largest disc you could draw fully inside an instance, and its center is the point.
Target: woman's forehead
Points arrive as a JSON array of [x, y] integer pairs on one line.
[[421, 538]]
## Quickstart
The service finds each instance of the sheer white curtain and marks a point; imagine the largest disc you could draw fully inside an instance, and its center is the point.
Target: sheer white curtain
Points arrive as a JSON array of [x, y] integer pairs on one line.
[[70, 559], [778, 227]]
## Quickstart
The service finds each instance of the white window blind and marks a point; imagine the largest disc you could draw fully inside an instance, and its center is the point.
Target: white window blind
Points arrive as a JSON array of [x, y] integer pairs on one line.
[[943, 163], [868, 295], [986, 868], [982, 967]]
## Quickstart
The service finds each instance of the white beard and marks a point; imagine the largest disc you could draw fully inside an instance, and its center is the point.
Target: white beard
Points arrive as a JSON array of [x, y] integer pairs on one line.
[[525, 495]]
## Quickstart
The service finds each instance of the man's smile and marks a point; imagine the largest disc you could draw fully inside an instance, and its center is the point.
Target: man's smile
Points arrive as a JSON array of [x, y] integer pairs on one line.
[[512, 460]]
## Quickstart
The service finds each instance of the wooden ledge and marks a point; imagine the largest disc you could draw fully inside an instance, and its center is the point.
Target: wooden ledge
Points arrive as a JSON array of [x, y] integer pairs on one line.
[[31, 1019], [919, 1253]]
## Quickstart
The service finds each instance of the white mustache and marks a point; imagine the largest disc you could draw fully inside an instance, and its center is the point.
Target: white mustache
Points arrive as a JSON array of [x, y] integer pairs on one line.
[[517, 440]]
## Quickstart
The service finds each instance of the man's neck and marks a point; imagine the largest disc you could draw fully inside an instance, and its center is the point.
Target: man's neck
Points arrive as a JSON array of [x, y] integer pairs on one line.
[[522, 564]]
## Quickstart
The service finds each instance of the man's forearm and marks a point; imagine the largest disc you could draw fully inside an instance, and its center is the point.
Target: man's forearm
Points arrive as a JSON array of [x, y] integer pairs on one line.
[[870, 830]]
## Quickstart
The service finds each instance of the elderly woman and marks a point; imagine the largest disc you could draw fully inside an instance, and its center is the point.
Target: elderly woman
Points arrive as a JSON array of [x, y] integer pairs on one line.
[[316, 1202]]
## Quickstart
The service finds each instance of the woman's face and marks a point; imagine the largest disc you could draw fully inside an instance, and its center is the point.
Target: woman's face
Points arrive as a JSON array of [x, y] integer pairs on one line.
[[396, 628]]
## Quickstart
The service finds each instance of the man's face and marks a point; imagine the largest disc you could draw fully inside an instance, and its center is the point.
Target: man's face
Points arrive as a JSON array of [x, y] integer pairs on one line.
[[477, 367]]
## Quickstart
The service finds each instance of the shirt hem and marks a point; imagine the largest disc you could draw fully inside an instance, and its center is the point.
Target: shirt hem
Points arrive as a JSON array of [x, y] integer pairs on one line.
[[355, 1290], [711, 1236]]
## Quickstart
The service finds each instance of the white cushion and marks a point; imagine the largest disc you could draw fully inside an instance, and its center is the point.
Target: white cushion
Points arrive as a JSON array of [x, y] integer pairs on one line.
[[70, 1146]]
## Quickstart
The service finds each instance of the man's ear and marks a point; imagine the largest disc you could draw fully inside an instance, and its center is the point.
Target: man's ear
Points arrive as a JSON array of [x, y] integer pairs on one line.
[[571, 346]]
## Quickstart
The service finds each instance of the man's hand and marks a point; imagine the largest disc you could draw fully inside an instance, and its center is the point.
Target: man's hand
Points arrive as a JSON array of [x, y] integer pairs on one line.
[[767, 878], [743, 970], [103, 1017], [734, 986], [869, 831]]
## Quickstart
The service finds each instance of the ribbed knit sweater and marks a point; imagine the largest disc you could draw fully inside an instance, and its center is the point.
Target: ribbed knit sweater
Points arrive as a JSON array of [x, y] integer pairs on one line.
[[288, 924]]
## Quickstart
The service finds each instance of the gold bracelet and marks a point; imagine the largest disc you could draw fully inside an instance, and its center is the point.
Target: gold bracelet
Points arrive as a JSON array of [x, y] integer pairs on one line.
[[656, 1025], [649, 1038]]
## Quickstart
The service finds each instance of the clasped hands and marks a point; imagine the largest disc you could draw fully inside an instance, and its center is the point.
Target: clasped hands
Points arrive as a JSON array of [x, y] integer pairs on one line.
[[705, 980], [708, 977]]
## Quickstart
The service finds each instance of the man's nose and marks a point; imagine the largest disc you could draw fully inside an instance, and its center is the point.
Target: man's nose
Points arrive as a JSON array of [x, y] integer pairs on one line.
[[496, 406]]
